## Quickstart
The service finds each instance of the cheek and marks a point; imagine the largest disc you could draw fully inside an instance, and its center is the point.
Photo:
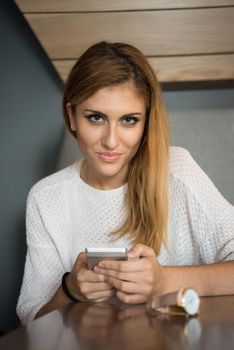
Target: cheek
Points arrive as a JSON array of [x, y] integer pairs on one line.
[[86, 137], [133, 139]]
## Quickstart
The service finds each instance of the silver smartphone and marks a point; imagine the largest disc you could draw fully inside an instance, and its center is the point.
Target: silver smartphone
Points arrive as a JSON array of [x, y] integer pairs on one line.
[[97, 254]]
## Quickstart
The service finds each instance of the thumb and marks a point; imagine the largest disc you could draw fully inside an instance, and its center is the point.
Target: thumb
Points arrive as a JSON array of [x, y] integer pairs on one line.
[[139, 251], [81, 260]]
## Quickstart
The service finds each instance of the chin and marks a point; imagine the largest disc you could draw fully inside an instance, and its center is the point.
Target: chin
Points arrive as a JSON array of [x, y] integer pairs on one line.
[[111, 170]]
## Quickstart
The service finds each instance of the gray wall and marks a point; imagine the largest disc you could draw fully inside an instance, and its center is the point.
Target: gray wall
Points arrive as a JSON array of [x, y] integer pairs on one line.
[[30, 134], [203, 122], [31, 131]]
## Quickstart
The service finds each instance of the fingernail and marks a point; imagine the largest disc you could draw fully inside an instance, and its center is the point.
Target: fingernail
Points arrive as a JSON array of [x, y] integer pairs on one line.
[[131, 254]]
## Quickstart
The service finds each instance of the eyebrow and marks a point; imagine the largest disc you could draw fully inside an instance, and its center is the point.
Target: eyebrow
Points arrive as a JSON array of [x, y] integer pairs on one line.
[[105, 115]]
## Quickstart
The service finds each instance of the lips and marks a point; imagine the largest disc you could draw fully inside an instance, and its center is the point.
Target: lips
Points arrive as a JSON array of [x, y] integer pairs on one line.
[[109, 157]]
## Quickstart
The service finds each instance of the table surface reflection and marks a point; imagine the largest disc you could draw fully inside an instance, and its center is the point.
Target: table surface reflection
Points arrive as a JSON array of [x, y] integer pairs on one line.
[[114, 325]]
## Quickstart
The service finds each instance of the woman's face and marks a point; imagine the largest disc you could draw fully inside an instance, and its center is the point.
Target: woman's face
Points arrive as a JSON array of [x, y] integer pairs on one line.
[[109, 126]]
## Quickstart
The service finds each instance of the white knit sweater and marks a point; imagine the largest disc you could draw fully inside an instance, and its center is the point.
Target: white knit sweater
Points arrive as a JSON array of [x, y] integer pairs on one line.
[[65, 215]]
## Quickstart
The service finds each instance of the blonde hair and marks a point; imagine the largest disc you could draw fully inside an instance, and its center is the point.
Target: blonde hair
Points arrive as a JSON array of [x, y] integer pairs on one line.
[[105, 64]]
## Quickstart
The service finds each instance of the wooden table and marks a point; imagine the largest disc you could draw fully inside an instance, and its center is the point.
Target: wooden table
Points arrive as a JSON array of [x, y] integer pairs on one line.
[[115, 326]]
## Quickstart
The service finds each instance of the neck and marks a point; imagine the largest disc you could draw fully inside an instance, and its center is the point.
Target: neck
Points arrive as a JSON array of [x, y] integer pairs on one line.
[[100, 182]]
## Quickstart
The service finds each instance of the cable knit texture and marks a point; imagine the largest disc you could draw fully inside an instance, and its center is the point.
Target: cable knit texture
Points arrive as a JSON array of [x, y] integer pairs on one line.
[[65, 215]]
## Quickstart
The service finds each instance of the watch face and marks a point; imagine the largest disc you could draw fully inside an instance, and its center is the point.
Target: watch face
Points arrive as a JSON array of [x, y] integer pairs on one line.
[[191, 301]]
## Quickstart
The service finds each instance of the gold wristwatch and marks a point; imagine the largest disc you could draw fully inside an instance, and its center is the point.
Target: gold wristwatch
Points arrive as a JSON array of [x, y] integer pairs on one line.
[[185, 301]]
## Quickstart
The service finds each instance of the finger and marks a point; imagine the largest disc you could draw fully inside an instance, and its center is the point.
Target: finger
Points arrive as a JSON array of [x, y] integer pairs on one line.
[[86, 275], [105, 299], [87, 288], [143, 277], [129, 287], [125, 266], [141, 250], [131, 298], [100, 296], [81, 259]]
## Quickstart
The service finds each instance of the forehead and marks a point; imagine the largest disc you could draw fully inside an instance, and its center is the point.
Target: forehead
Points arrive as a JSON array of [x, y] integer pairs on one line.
[[121, 96]]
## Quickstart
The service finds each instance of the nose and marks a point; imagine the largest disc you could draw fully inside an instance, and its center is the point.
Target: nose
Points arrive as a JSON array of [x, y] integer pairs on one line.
[[111, 137]]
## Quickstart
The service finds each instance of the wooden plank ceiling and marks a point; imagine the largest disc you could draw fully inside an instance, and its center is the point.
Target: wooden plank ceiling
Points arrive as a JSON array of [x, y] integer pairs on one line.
[[184, 40]]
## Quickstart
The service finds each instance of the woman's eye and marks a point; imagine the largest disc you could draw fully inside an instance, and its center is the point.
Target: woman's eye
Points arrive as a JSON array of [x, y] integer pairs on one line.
[[130, 120], [95, 118]]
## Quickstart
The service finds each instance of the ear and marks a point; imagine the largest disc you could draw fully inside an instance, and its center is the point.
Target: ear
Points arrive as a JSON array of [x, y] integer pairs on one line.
[[71, 116]]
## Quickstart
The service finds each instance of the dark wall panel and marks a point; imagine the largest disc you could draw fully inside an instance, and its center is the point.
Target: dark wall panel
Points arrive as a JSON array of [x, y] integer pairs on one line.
[[30, 133]]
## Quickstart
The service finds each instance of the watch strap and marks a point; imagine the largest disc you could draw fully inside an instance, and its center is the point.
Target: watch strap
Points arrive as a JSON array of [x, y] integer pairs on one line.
[[170, 299]]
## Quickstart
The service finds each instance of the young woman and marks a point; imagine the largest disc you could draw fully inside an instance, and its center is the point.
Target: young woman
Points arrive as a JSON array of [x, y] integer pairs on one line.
[[131, 190]]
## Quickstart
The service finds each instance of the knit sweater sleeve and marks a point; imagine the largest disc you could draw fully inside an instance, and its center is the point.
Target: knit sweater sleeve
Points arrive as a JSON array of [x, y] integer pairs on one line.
[[211, 216], [43, 267]]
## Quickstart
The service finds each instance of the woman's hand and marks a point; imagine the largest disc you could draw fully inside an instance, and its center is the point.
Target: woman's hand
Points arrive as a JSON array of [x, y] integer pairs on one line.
[[86, 284], [136, 279]]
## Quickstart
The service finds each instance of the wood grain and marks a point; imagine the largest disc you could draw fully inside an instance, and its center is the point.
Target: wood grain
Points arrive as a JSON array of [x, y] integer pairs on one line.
[[111, 326], [185, 40], [156, 33], [178, 69], [120, 5]]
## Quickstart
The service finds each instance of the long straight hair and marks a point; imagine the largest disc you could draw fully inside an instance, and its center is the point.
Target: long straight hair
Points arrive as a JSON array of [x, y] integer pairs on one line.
[[105, 64]]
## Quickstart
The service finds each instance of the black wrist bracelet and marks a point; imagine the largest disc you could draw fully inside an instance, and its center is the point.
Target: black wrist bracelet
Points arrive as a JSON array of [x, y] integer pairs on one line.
[[66, 290]]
